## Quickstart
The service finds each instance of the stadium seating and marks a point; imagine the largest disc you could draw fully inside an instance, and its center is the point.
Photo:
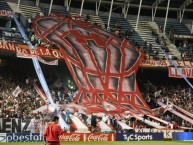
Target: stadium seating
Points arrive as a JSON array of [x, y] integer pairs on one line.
[[4, 6]]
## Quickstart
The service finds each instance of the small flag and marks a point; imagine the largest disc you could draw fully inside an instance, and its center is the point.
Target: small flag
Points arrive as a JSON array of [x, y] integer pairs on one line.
[[16, 91]]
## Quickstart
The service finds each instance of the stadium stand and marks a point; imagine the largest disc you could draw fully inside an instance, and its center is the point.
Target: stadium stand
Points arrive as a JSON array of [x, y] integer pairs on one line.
[[157, 93]]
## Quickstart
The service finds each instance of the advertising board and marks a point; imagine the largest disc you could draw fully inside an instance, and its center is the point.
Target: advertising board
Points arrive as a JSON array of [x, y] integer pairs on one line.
[[182, 136], [167, 132], [139, 136], [21, 137], [100, 137], [69, 137]]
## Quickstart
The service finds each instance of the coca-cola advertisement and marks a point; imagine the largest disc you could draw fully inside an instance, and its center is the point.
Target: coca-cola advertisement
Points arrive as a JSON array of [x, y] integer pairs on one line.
[[100, 137], [72, 137]]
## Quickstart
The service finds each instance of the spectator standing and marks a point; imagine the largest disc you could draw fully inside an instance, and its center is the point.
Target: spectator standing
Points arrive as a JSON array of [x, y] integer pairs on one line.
[[93, 122], [1, 32], [67, 116]]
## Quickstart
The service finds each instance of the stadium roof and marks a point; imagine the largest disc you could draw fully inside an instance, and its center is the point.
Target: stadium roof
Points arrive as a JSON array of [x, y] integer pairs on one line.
[[175, 7], [146, 7], [162, 4]]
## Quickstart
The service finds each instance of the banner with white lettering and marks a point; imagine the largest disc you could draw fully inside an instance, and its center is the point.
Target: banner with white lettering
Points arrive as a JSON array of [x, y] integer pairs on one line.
[[167, 132], [139, 136], [25, 55], [174, 73], [165, 63], [21, 137], [39, 51], [6, 13], [15, 125]]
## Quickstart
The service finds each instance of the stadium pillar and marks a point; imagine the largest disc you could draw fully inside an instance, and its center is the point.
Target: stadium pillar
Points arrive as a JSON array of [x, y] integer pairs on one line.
[[110, 15], [183, 7], [192, 27], [81, 7], [68, 5], [125, 15], [98, 7], [166, 15], [154, 13], [182, 15], [50, 9], [123, 9], [18, 3], [138, 15], [37, 3]]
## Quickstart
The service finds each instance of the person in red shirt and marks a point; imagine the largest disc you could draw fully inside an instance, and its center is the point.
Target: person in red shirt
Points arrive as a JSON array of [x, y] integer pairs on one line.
[[53, 132]]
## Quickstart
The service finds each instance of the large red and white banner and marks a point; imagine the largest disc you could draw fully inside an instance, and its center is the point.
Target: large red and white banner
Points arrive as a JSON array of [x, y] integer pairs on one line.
[[102, 66], [174, 73], [76, 137]]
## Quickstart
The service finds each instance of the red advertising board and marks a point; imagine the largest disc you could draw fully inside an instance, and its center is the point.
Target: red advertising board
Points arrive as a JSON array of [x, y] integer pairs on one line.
[[71, 137], [100, 137], [174, 73]]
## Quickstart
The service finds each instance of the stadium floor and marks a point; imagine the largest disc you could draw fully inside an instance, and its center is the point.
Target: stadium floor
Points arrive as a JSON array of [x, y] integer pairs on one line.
[[109, 143]]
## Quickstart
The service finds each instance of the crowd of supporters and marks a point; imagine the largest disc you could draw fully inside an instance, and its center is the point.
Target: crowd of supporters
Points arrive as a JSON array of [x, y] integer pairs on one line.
[[17, 106], [168, 91], [18, 97], [185, 47]]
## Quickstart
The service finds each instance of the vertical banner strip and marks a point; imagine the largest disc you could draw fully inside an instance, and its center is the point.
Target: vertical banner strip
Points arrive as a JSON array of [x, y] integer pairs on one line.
[[40, 73]]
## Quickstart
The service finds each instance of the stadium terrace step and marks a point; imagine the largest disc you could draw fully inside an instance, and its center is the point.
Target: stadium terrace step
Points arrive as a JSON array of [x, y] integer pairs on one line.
[[58, 11], [9, 35], [124, 25], [180, 28], [5, 6], [27, 10], [144, 32]]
